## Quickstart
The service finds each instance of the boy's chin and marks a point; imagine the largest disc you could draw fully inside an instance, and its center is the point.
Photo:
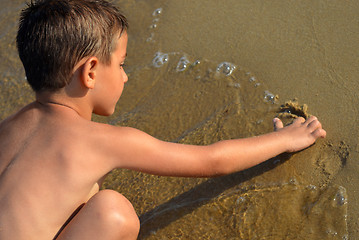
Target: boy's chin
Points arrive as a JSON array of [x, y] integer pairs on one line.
[[104, 112]]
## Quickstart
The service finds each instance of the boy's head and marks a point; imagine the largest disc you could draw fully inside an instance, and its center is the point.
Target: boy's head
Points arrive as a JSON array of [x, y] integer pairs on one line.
[[54, 35]]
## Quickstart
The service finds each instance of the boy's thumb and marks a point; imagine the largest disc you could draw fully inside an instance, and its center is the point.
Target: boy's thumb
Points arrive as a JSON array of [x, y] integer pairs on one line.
[[278, 124]]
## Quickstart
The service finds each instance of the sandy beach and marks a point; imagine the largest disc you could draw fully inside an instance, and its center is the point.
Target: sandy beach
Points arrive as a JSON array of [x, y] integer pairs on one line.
[[203, 71]]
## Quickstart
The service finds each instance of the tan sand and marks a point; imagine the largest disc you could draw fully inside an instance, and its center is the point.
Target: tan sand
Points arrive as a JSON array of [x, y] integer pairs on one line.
[[282, 50]]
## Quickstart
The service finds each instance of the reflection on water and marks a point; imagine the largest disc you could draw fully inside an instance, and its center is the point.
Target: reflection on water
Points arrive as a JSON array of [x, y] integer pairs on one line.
[[189, 99]]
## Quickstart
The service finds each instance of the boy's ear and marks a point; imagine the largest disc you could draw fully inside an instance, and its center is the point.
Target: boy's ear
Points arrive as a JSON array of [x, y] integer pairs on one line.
[[89, 72]]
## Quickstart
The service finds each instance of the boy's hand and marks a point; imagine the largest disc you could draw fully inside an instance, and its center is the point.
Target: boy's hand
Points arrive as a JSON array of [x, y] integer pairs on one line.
[[301, 133]]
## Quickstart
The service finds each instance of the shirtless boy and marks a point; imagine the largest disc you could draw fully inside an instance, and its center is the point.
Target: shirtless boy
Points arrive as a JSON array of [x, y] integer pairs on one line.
[[53, 158]]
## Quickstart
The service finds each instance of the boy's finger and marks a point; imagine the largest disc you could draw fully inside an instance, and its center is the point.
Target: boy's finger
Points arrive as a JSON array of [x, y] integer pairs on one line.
[[314, 125], [300, 120], [311, 119], [320, 132], [278, 124]]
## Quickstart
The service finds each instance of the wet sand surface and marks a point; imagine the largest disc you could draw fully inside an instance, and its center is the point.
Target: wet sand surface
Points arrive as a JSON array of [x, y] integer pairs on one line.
[[203, 71]]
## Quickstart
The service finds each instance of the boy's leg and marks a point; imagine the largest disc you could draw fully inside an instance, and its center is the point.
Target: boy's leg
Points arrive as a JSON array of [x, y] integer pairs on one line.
[[107, 215]]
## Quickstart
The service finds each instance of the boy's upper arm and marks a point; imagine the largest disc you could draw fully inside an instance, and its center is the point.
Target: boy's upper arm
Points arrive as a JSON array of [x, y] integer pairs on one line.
[[133, 149]]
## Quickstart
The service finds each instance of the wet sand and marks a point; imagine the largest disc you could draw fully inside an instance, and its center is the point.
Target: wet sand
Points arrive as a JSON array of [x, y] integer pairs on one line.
[[281, 51]]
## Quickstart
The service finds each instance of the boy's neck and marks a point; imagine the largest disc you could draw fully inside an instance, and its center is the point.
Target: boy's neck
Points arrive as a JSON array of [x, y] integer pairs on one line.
[[58, 100]]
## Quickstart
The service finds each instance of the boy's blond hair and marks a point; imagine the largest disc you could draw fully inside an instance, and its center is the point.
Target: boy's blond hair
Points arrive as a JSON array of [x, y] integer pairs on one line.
[[54, 36]]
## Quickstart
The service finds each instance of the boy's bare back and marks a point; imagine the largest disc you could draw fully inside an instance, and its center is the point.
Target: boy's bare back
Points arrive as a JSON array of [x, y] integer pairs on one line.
[[46, 169], [53, 159]]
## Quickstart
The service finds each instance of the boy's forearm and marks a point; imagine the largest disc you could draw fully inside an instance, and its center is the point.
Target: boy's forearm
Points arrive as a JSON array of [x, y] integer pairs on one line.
[[236, 155]]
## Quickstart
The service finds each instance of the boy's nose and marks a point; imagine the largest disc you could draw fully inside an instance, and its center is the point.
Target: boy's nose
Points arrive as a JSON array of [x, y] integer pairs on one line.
[[125, 79]]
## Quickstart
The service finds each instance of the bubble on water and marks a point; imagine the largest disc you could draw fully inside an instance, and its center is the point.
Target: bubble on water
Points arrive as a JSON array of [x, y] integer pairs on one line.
[[312, 187], [235, 85], [182, 64], [240, 200], [155, 20], [226, 68], [196, 63], [150, 39], [157, 12], [340, 197], [331, 232], [160, 59], [270, 97], [153, 25], [252, 79], [293, 181], [257, 84]]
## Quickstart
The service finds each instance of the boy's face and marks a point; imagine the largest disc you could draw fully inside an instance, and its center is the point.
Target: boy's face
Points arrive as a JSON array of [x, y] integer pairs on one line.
[[111, 79]]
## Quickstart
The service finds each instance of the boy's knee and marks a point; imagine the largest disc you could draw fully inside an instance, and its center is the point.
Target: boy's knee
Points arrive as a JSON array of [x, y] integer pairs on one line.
[[116, 211]]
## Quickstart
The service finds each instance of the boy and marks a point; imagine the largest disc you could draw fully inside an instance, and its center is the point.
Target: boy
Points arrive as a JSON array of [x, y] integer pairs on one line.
[[53, 158]]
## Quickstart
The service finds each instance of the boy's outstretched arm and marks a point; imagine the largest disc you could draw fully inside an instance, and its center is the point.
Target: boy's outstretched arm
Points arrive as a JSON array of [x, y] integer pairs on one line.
[[132, 149]]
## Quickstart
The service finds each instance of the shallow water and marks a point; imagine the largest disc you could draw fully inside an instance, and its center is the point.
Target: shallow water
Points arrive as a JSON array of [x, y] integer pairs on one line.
[[202, 71]]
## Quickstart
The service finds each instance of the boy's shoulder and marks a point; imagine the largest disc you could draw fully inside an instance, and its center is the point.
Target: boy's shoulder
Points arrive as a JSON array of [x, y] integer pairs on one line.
[[56, 132], [60, 132], [57, 121]]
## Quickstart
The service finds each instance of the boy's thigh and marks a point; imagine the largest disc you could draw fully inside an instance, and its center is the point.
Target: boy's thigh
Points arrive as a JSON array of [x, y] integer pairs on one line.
[[107, 215]]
